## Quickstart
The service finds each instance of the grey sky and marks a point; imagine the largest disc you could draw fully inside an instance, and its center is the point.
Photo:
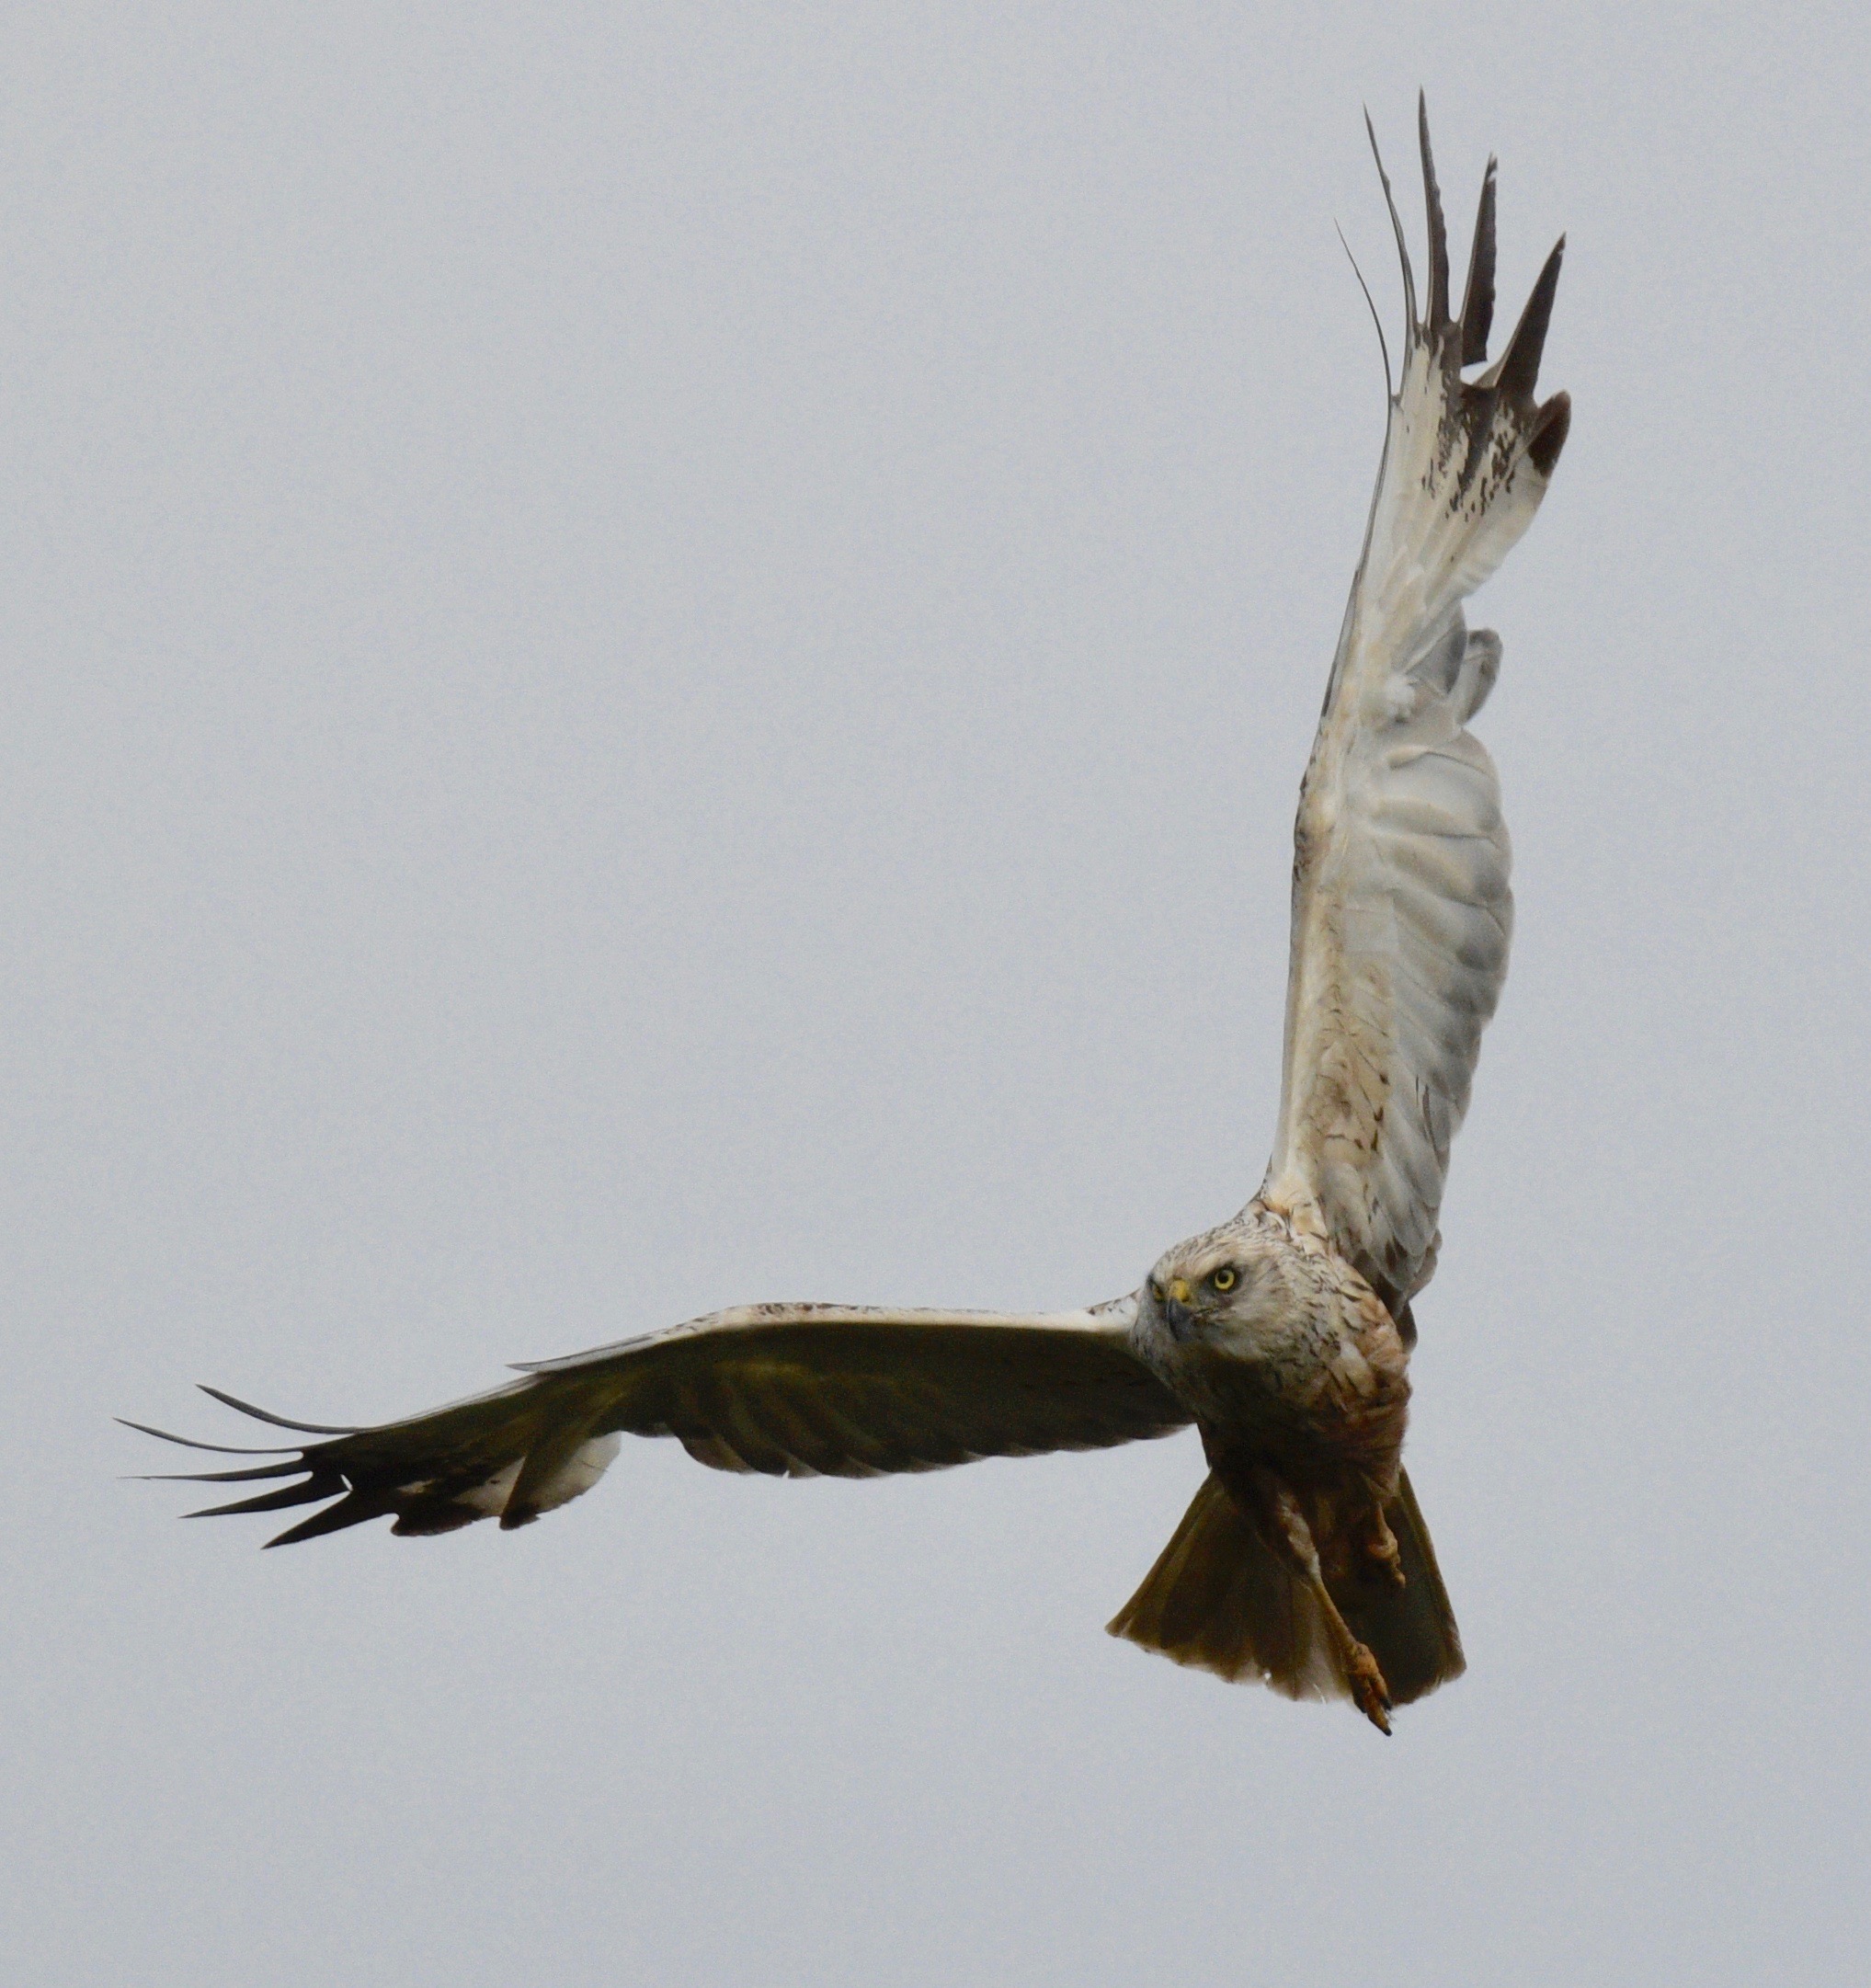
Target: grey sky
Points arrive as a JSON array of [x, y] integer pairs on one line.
[[661, 655]]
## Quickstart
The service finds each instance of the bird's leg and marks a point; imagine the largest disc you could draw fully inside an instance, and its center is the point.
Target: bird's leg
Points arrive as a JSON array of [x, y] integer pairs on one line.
[[1381, 1548], [1291, 1538]]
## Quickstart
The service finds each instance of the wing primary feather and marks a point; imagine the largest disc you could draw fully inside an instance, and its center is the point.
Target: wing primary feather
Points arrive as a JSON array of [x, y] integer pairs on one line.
[[189, 1442], [279, 1422], [292, 1467], [353, 1510], [1549, 434], [1519, 369], [1396, 227], [1438, 233], [321, 1485], [1478, 299], [1383, 343]]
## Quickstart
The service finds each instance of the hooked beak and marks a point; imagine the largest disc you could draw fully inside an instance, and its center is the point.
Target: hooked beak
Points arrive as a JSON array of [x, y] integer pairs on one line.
[[1173, 1302]]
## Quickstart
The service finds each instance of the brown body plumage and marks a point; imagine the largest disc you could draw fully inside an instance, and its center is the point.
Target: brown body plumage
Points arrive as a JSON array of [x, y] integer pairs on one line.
[[1302, 1560]]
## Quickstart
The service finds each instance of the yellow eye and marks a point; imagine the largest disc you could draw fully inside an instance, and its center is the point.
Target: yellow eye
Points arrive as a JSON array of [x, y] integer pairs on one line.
[[1226, 1278]]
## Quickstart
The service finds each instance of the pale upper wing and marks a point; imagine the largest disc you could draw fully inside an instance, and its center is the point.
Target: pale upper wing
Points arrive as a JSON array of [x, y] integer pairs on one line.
[[793, 1390], [1401, 911]]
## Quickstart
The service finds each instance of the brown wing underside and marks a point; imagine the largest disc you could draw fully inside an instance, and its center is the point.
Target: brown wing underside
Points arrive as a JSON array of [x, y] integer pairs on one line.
[[788, 1391]]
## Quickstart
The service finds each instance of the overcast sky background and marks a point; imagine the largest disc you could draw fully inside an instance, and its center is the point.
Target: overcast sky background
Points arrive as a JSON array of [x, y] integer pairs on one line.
[[660, 656]]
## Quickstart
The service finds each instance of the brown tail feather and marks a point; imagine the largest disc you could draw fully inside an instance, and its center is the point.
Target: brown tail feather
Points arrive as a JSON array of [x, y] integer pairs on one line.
[[1410, 1630], [1219, 1600]]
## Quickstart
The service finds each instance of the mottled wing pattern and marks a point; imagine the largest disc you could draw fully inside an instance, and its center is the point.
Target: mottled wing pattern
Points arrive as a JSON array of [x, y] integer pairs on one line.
[[1401, 911], [792, 1390]]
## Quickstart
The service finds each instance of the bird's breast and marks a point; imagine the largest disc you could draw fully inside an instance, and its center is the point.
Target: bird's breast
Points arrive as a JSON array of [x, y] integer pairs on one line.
[[1322, 1375]]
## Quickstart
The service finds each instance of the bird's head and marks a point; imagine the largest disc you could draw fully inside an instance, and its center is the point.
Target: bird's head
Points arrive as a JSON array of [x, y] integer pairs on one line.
[[1222, 1288]]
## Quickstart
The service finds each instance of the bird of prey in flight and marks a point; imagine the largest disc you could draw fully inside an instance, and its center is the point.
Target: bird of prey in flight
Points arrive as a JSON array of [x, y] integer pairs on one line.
[[1284, 1334]]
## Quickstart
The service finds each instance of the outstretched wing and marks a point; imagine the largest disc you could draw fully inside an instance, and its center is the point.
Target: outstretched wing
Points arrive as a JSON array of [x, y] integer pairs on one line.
[[1401, 911], [793, 1390]]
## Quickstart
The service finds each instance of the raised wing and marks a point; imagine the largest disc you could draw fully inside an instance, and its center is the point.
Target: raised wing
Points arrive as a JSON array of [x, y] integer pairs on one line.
[[793, 1390], [1401, 911]]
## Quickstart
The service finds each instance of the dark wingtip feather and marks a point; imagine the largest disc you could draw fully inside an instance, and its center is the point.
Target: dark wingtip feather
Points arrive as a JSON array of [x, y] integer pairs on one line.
[[189, 1442], [1396, 225], [353, 1510], [1478, 299], [1438, 233], [430, 1521], [1383, 343], [279, 1422], [1551, 427], [292, 1467], [317, 1486], [1520, 365]]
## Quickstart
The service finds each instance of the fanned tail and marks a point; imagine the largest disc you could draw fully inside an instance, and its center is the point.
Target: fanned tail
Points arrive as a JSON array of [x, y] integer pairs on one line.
[[1219, 1600], [1409, 1630]]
